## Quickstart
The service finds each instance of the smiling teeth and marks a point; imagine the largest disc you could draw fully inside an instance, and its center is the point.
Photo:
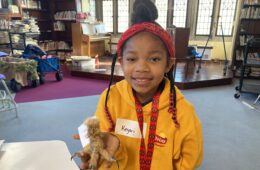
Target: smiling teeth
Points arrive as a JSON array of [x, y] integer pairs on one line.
[[141, 80]]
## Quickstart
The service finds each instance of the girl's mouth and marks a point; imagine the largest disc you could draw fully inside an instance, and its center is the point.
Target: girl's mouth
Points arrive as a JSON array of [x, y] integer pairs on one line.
[[142, 81]]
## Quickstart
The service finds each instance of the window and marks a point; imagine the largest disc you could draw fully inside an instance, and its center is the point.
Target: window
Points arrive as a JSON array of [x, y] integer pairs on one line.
[[123, 15], [84, 5], [92, 8], [180, 13], [88, 6], [107, 6], [204, 18], [162, 6], [226, 17]]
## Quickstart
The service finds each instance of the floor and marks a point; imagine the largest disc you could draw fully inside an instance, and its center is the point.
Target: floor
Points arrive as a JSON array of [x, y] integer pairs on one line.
[[230, 127]]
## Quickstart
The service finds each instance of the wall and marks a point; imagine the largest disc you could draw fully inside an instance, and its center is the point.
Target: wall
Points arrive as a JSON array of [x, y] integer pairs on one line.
[[216, 42], [216, 53], [218, 49]]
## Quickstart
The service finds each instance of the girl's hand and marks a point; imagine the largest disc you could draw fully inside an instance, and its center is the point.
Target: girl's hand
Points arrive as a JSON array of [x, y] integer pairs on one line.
[[111, 145]]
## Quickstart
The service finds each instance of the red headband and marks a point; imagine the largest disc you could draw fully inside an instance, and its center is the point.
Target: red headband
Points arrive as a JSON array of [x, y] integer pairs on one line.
[[149, 27]]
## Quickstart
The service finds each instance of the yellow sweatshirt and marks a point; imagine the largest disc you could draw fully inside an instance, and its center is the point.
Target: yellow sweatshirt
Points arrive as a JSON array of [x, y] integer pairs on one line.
[[175, 149]]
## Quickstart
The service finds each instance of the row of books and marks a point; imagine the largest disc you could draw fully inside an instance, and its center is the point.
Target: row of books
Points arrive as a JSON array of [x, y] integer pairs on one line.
[[4, 24], [64, 55], [54, 45], [59, 26], [246, 72], [25, 25], [251, 2], [251, 58], [243, 39], [18, 41], [65, 15], [249, 72], [4, 37], [31, 4], [255, 72], [250, 12]]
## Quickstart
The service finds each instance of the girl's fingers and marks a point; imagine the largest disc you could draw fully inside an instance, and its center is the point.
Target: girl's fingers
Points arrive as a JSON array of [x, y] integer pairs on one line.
[[84, 165], [76, 136], [84, 161]]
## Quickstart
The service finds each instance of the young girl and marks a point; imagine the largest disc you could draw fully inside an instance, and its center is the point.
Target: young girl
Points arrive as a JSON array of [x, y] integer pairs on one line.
[[150, 123]]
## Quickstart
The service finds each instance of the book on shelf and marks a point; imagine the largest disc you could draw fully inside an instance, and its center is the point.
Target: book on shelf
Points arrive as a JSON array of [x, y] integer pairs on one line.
[[58, 26], [250, 13], [239, 55], [242, 41], [54, 45], [251, 2], [246, 72], [31, 4], [65, 15]]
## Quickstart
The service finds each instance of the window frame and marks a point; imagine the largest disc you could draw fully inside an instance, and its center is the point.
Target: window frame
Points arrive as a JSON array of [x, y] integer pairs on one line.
[[117, 17], [232, 31], [167, 13], [113, 11], [114, 14], [187, 12], [95, 8], [191, 17], [212, 20]]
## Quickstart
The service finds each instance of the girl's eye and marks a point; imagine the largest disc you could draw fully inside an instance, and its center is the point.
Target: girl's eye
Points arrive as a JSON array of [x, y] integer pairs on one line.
[[155, 59], [130, 59]]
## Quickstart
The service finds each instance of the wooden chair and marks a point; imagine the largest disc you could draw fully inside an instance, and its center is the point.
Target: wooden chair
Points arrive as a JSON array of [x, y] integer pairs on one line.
[[180, 38]]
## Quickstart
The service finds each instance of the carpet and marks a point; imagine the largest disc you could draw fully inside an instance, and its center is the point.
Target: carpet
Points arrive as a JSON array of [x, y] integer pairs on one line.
[[67, 88]]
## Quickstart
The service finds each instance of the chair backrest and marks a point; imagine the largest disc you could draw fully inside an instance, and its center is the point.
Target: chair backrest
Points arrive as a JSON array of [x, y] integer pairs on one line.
[[180, 38], [191, 51]]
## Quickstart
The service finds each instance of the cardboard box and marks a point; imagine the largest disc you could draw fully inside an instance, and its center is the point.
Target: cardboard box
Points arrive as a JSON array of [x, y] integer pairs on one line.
[[83, 62]]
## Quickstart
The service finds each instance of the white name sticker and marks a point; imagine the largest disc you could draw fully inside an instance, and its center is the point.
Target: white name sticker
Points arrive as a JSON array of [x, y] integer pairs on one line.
[[129, 128], [82, 129]]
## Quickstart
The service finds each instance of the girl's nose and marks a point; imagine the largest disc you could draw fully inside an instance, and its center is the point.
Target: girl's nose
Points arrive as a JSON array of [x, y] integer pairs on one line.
[[142, 66]]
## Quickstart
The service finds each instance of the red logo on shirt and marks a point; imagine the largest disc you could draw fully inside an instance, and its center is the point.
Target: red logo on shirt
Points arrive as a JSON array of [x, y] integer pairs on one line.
[[160, 140]]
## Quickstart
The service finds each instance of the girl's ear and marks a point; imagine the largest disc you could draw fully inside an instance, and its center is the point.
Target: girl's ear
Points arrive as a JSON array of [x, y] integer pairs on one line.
[[171, 62], [120, 60]]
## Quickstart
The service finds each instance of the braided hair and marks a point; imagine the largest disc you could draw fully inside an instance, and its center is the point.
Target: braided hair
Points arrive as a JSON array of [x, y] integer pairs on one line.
[[145, 11]]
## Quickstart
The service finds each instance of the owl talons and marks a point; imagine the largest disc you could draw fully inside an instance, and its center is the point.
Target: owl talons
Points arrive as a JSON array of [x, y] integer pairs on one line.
[[77, 154]]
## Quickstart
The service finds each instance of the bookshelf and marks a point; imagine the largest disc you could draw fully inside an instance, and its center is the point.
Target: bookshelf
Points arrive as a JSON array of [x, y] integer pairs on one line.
[[248, 28], [6, 17], [63, 14], [38, 9]]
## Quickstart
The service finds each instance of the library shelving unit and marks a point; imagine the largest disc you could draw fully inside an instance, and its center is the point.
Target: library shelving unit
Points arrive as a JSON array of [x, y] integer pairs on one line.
[[244, 87], [63, 14], [5, 19], [246, 59], [249, 25], [39, 9]]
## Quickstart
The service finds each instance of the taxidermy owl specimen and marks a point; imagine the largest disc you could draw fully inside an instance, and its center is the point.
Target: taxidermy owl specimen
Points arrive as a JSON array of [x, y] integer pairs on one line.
[[96, 148]]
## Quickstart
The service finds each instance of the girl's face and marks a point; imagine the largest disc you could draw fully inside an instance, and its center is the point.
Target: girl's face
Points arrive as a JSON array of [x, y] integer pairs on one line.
[[144, 63]]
